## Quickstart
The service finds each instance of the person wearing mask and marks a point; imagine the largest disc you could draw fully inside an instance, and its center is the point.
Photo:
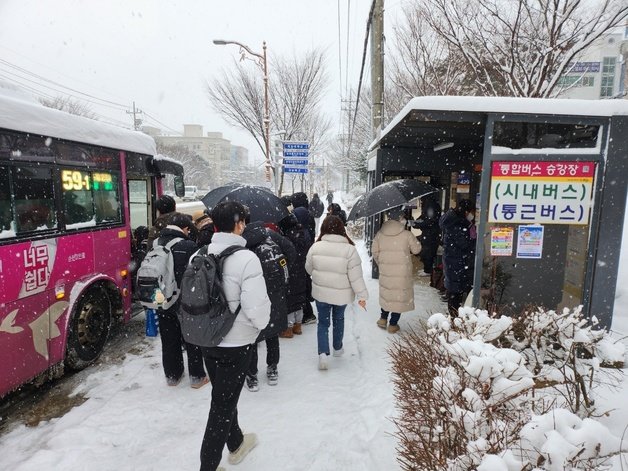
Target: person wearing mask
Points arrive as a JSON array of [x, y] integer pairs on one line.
[[336, 270], [164, 206], [244, 286], [204, 227], [459, 238], [178, 226], [430, 234], [392, 250]]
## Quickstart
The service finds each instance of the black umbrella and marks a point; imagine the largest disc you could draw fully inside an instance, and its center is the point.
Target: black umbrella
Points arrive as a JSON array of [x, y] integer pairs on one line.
[[262, 203], [389, 195]]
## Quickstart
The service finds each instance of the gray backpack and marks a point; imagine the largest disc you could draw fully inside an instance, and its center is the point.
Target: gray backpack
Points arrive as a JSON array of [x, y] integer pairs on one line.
[[204, 313], [156, 283]]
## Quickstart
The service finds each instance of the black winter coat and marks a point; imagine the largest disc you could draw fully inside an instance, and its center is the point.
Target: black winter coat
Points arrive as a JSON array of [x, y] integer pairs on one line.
[[306, 220], [459, 252], [204, 235], [181, 251], [256, 234], [430, 229], [298, 293], [317, 208]]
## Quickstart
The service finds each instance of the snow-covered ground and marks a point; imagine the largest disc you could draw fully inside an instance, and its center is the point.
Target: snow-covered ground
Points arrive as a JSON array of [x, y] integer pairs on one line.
[[331, 420]]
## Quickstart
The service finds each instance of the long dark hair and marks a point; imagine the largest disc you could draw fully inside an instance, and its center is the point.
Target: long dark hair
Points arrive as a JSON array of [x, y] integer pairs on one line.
[[333, 225]]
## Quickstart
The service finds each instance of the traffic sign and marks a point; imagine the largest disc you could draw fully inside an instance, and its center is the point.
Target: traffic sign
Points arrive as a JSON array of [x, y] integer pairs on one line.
[[297, 153], [295, 145], [295, 162], [295, 169]]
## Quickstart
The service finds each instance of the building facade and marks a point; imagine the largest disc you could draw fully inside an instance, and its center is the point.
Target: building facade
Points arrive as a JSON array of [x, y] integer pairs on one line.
[[600, 72]]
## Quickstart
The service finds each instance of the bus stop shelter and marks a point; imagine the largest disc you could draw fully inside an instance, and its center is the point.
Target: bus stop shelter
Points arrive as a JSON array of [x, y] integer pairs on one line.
[[548, 178]]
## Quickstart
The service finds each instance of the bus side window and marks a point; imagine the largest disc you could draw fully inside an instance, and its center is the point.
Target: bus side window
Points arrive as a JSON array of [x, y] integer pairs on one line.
[[34, 198], [107, 203], [6, 213]]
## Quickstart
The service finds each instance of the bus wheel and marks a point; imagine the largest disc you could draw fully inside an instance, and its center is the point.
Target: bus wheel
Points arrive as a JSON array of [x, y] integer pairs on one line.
[[89, 329]]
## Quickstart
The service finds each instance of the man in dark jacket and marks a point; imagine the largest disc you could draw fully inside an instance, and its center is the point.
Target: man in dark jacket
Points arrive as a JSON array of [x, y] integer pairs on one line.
[[204, 227], [298, 293], [317, 208], [301, 211], [276, 274], [330, 197], [164, 206], [430, 234], [459, 238], [169, 326]]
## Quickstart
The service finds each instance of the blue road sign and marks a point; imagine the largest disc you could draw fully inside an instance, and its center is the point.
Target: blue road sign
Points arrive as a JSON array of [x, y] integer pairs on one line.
[[289, 145], [298, 153], [295, 162], [295, 169]]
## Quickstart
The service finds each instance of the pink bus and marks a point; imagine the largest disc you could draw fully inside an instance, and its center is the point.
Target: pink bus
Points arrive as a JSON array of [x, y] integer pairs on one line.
[[71, 192]]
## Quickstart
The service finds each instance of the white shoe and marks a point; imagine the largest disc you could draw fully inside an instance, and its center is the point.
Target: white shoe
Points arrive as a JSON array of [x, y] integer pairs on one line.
[[248, 443], [423, 273], [339, 353], [322, 361]]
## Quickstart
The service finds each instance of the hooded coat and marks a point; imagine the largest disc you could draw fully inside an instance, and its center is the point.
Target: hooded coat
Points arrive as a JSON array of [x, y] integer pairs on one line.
[[459, 251], [392, 250], [317, 208], [257, 235], [430, 229], [298, 292]]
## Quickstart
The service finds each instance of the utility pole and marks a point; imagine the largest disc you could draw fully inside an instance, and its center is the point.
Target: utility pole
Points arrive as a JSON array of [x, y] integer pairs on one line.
[[346, 143], [377, 68], [137, 122]]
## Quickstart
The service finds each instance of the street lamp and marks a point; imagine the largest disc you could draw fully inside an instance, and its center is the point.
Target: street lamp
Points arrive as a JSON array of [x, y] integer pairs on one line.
[[264, 65]]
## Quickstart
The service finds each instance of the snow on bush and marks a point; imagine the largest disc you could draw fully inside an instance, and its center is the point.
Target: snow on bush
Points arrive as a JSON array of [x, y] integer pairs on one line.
[[493, 393]]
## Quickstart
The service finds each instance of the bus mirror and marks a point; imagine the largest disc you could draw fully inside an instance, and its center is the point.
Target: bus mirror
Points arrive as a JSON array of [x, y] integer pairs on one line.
[[179, 186]]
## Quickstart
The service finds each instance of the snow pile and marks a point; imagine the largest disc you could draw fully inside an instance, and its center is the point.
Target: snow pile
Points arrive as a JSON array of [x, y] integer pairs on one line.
[[510, 393]]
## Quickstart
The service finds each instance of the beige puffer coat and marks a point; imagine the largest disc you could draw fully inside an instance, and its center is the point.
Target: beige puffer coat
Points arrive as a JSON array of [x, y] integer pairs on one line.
[[392, 249], [336, 270]]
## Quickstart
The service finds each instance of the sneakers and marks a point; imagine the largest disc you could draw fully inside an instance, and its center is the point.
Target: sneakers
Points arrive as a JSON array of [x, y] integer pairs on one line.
[[296, 329], [382, 323], [322, 361], [173, 381], [423, 273], [393, 329], [252, 384], [309, 320], [248, 443], [272, 374], [287, 334], [339, 353], [197, 383]]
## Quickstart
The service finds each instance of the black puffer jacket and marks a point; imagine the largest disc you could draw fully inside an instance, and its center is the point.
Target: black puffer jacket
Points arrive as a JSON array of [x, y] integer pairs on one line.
[[298, 293], [317, 208], [273, 260], [181, 251], [430, 229], [459, 251]]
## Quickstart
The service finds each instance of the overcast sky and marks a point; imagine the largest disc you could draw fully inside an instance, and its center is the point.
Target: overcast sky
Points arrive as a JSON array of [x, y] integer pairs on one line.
[[159, 53]]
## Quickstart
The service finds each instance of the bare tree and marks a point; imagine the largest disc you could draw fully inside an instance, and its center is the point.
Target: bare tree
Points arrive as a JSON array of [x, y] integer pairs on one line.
[[297, 86], [196, 169], [69, 105], [499, 47]]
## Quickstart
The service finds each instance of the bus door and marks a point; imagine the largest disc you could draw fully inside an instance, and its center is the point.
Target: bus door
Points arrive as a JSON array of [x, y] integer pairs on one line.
[[140, 202]]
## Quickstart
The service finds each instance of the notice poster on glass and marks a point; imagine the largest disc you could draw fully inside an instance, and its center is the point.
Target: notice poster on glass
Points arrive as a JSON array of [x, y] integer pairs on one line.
[[502, 241], [530, 241]]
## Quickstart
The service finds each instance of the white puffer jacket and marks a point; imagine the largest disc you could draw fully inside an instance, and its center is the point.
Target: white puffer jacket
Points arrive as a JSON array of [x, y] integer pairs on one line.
[[336, 270], [244, 285]]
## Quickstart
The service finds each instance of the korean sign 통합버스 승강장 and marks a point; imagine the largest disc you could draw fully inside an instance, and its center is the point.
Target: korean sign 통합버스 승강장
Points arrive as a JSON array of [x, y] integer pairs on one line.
[[541, 192]]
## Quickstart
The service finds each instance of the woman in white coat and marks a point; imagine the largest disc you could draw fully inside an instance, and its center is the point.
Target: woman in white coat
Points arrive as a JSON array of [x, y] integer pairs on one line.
[[392, 250], [336, 270]]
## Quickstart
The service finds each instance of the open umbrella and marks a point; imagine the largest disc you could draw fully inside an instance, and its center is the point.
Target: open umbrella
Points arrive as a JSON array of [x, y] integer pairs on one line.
[[262, 203], [389, 195]]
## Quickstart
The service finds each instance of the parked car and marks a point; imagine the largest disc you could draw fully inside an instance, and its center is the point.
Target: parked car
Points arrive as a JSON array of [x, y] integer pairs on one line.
[[191, 193]]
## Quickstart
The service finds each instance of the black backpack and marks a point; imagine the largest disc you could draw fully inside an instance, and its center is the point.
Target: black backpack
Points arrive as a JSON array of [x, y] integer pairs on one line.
[[274, 264], [204, 312]]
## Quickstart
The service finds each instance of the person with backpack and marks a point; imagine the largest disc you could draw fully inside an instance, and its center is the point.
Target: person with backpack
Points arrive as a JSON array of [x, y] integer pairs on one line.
[[276, 275], [298, 284], [336, 269], [301, 205], [164, 206], [167, 260], [244, 289]]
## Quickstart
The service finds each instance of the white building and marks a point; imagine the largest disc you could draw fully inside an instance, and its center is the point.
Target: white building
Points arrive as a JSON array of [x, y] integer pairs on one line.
[[600, 72]]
